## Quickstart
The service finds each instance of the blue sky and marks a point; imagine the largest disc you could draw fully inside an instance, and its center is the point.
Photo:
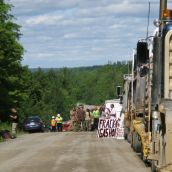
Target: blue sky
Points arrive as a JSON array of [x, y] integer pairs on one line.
[[72, 33]]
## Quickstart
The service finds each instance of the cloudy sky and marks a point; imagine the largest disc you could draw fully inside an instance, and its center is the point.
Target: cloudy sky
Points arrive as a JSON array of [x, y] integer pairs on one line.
[[72, 33]]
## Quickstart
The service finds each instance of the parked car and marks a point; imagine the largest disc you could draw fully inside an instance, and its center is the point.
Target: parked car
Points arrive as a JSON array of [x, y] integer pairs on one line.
[[33, 123]]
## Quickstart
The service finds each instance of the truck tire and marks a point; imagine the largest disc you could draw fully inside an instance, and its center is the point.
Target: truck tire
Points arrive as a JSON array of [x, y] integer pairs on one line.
[[132, 140], [125, 133], [129, 137], [136, 143], [153, 166]]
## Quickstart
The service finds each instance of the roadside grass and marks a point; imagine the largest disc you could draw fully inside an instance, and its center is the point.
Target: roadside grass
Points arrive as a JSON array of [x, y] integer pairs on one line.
[[7, 126], [4, 126]]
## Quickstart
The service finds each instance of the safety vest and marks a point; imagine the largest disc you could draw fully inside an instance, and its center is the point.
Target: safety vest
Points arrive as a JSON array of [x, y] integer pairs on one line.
[[53, 122], [59, 119], [96, 114]]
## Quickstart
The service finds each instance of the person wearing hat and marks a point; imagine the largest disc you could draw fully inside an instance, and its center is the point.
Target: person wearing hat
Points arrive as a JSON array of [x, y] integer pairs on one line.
[[59, 120], [14, 119], [53, 124]]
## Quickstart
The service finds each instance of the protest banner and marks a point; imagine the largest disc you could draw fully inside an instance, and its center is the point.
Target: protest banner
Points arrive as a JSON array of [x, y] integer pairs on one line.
[[112, 126]]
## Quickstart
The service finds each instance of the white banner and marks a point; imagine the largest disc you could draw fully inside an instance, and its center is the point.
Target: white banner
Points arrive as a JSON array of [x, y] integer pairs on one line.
[[111, 127]]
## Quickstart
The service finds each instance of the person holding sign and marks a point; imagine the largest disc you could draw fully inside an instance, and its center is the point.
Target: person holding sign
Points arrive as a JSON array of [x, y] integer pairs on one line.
[[112, 110]]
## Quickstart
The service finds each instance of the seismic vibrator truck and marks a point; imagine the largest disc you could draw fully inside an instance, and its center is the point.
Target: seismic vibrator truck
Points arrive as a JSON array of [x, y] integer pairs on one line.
[[147, 95]]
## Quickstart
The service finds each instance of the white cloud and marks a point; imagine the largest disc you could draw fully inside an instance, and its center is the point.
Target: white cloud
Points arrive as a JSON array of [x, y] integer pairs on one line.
[[116, 26], [43, 20], [81, 32], [70, 36], [120, 9]]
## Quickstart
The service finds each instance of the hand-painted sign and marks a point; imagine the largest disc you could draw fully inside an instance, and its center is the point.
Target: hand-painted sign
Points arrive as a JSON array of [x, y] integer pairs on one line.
[[110, 127]]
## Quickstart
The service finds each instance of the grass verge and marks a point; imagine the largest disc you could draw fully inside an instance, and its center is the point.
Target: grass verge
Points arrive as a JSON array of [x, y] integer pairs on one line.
[[7, 126]]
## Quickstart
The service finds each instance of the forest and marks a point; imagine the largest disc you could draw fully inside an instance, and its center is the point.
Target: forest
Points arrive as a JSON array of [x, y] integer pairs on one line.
[[46, 92]]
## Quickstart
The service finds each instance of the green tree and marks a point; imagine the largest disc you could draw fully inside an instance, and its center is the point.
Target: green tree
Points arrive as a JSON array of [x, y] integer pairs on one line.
[[11, 71], [58, 91]]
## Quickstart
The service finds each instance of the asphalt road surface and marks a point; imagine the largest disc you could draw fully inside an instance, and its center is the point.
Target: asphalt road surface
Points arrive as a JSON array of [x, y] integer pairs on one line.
[[68, 152]]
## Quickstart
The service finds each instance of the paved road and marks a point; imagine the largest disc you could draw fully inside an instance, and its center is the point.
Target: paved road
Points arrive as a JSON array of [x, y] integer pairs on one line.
[[68, 152]]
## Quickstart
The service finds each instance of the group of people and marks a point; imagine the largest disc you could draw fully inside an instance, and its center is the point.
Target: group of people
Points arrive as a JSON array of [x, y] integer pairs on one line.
[[82, 119], [56, 123], [86, 119]]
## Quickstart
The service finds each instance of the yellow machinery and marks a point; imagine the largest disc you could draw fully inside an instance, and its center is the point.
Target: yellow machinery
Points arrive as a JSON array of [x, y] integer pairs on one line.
[[147, 96]]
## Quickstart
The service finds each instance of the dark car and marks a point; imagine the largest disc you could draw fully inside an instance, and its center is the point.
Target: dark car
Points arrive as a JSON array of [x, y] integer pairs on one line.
[[33, 123]]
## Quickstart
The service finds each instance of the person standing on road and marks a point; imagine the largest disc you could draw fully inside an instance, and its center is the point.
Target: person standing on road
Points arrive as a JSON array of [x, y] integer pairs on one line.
[[53, 124], [59, 121], [87, 120], [92, 119], [81, 117], [74, 119], [14, 119], [96, 114]]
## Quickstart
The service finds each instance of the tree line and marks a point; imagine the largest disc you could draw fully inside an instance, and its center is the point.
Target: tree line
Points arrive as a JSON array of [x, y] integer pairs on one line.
[[46, 92]]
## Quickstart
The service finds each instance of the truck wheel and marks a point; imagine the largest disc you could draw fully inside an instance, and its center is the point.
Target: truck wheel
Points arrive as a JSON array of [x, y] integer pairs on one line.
[[142, 156], [153, 166], [125, 133], [136, 143], [129, 137], [132, 140]]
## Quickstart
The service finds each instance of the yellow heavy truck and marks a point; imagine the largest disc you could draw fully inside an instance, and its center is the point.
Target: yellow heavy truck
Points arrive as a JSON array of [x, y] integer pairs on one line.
[[147, 95]]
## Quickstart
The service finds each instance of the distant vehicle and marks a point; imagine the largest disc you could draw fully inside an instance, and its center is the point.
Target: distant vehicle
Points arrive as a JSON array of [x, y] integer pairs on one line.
[[33, 123]]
